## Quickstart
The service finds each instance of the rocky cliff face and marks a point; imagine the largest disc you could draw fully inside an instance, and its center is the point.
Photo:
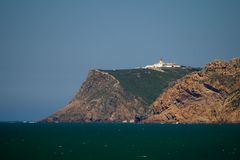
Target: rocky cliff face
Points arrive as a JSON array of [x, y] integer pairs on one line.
[[182, 95], [101, 98], [208, 96]]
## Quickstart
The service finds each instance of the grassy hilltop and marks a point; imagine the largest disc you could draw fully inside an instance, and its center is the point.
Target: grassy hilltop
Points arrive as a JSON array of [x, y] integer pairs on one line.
[[172, 95], [146, 83]]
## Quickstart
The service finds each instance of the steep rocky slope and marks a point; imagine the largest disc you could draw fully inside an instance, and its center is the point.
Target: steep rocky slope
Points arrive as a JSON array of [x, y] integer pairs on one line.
[[171, 95], [117, 95], [101, 98], [208, 96]]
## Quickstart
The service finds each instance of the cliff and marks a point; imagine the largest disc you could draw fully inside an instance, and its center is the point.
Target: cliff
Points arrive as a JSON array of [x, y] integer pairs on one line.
[[101, 98], [117, 95], [208, 96], [170, 95]]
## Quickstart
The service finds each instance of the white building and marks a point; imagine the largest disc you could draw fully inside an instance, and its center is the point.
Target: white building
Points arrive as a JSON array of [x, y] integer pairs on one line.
[[161, 64]]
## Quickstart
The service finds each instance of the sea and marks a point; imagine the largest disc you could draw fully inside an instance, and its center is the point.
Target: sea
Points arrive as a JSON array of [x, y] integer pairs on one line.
[[118, 141]]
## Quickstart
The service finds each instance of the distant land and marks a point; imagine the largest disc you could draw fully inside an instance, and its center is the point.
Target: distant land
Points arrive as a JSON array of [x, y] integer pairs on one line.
[[158, 93]]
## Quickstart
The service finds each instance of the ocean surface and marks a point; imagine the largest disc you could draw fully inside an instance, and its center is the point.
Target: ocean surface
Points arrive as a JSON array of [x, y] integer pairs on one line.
[[103, 141]]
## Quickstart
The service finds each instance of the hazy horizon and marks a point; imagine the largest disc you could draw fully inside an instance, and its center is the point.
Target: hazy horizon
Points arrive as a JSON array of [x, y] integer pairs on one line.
[[48, 47]]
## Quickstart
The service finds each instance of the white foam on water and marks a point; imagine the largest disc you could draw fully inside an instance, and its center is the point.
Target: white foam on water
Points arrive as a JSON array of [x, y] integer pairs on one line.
[[143, 156], [105, 145]]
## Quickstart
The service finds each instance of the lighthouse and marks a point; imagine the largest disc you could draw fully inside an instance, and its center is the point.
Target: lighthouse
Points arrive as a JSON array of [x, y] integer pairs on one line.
[[162, 64]]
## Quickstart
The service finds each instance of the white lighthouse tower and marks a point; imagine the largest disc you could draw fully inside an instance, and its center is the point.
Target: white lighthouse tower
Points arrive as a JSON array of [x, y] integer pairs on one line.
[[161, 63]]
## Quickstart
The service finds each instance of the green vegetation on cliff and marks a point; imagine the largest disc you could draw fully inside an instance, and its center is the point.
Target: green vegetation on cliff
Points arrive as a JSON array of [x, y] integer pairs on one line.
[[169, 95], [146, 83]]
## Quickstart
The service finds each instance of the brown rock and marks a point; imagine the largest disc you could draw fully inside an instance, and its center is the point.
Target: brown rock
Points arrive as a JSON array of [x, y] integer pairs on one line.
[[208, 96], [101, 98]]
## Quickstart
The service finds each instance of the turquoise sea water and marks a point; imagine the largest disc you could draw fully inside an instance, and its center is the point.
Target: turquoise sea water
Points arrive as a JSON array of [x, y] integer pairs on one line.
[[86, 141]]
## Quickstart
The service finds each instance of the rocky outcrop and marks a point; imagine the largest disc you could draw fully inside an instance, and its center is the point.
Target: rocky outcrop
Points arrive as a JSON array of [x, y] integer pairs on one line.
[[102, 98], [211, 95], [208, 96]]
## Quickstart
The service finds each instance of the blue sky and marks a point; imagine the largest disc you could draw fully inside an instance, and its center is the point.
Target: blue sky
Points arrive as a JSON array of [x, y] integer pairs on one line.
[[47, 47]]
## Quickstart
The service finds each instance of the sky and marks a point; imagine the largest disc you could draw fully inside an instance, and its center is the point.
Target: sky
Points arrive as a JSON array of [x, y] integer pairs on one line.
[[47, 47]]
